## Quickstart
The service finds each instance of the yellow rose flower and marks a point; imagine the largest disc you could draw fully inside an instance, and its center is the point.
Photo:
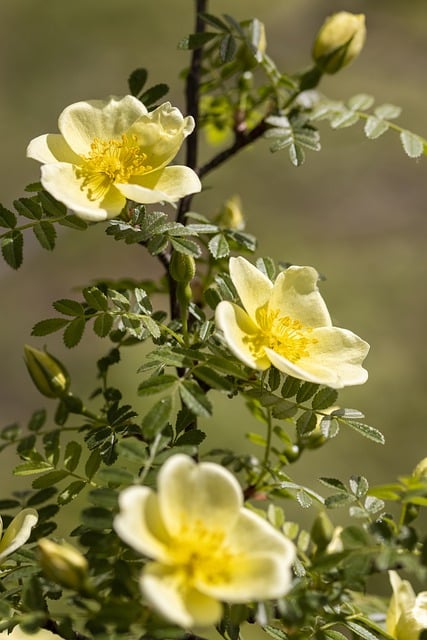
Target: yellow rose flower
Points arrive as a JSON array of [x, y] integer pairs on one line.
[[17, 532], [287, 324], [407, 613], [112, 150], [206, 547]]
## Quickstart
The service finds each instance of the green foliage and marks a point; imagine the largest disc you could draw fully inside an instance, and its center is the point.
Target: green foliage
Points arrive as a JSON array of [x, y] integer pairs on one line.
[[93, 447]]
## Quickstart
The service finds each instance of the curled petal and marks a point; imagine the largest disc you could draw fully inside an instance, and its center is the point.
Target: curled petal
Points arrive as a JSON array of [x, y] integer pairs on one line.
[[18, 532], [295, 294], [239, 329]]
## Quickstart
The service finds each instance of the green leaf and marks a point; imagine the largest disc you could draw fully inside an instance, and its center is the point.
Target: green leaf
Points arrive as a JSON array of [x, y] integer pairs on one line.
[[12, 248], [156, 419], [329, 427], [324, 398], [196, 40], [32, 466], [346, 118], [103, 324], [72, 491], [375, 127], [74, 332], [95, 298], [192, 437], [186, 246], [73, 222], [37, 420], [28, 208], [137, 80], [69, 307], [151, 325], [194, 398], [306, 391], [290, 387], [412, 144], [97, 518], [44, 327], [227, 48], [306, 423], [214, 21], [153, 94], [365, 430], [219, 247], [51, 206], [7, 218], [275, 633], [72, 455], [361, 102], [92, 464], [210, 377], [157, 384], [330, 634], [45, 233], [360, 631], [387, 111]]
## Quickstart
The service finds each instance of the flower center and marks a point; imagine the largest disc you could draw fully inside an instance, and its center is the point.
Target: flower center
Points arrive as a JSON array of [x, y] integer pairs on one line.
[[109, 162], [284, 335], [202, 556]]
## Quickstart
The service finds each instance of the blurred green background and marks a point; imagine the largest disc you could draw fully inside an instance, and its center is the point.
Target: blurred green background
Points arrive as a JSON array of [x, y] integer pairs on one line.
[[355, 211]]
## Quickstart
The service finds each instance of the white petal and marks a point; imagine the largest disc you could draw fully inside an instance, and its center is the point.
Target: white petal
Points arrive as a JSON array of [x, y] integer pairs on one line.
[[168, 592], [295, 294], [18, 532], [193, 494], [83, 121], [238, 328], [253, 287], [167, 185], [139, 523], [61, 181], [51, 148]]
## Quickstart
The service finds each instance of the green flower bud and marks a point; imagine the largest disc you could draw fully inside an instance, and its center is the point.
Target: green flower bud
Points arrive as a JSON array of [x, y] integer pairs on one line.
[[48, 374], [182, 267], [63, 564], [420, 470], [231, 216], [322, 531], [339, 41]]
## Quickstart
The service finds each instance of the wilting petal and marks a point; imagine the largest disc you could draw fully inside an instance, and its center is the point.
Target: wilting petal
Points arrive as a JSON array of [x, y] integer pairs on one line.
[[166, 590], [253, 287], [61, 181], [52, 147], [108, 119], [239, 330], [167, 185], [139, 523], [216, 496], [295, 294], [18, 532]]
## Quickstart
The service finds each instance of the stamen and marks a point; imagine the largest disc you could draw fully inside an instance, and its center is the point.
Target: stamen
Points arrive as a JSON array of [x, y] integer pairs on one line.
[[109, 162], [283, 334]]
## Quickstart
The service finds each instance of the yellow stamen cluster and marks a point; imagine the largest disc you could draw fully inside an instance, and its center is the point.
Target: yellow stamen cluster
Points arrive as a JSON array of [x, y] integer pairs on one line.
[[284, 335], [109, 162], [201, 553]]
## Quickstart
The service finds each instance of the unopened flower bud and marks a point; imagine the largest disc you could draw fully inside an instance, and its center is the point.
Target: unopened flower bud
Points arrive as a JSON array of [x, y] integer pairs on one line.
[[182, 267], [63, 564], [322, 531], [420, 470], [339, 41], [48, 374], [231, 216]]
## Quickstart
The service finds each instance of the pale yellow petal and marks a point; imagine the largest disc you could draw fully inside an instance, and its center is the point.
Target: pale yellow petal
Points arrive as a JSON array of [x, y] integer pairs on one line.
[[193, 494], [253, 287], [18, 532], [253, 534], [61, 181], [420, 609], [334, 360], [239, 330], [167, 185], [251, 578], [83, 121], [295, 294], [167, 591], [140, 524], [19, 634], [161, 133], [51, 147]]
